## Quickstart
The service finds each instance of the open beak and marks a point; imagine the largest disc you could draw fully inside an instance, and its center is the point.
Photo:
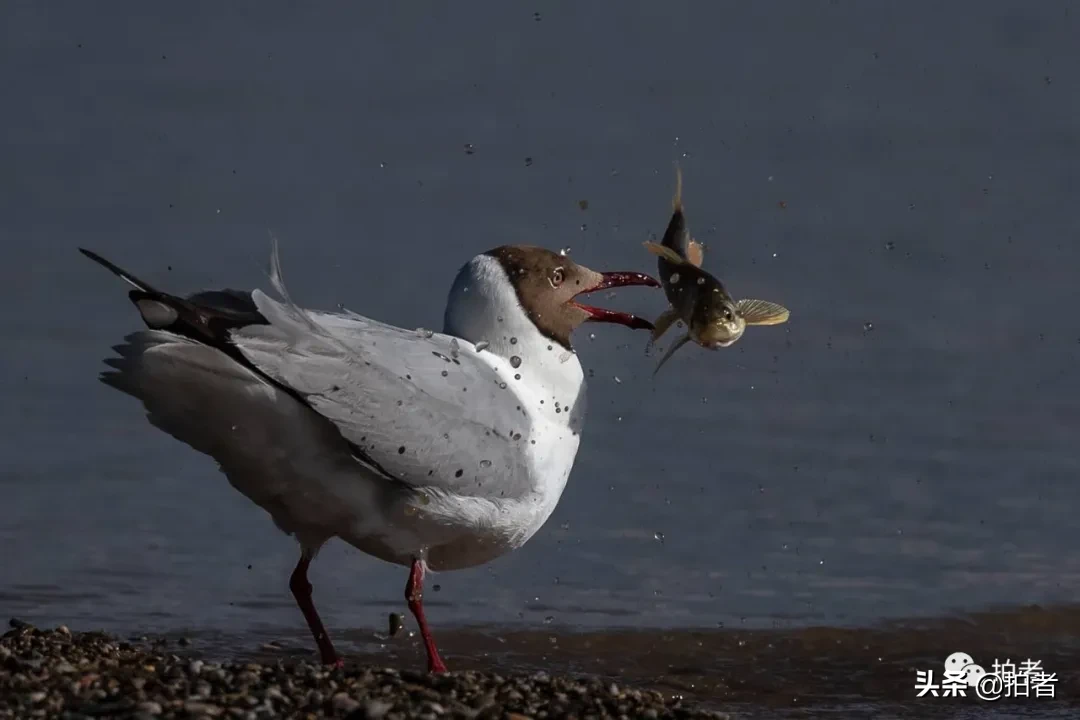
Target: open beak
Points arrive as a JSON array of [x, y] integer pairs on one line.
[[613, 280]]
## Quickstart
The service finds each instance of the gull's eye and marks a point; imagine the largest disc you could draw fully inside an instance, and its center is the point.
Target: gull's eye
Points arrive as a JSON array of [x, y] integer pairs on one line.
[[557, 277]]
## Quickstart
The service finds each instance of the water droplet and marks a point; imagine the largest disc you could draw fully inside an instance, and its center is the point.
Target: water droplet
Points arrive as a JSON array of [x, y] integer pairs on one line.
[[549, 619], [485, 463], [499, 318], [440, 356], [502, 386], [482, 345], [445, 373], [584, 227], [674, 278], [890, 245], [658, 536], [436, 587], [592, 336], [513, 341], [617, 380], [469, 148], [528, 161], [701, 281], [867, 326], [382, 164], [565, 251], [454, 347], [515, 361], [424, 332]]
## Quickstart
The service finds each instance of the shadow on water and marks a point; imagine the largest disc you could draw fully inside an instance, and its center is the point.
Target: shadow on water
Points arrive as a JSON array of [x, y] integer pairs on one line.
[[849, 672]]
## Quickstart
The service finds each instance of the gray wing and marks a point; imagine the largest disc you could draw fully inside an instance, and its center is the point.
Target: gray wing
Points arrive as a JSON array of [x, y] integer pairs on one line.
[[424, 409]]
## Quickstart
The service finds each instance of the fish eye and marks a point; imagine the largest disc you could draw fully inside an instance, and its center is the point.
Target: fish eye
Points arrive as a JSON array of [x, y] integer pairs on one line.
[[557, 277]]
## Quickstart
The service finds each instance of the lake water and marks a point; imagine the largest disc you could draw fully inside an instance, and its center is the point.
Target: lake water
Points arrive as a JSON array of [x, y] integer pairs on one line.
[[901, 455]]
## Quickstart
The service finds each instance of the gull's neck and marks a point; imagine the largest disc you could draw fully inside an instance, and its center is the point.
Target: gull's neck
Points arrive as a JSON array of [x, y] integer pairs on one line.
[[483, 307]]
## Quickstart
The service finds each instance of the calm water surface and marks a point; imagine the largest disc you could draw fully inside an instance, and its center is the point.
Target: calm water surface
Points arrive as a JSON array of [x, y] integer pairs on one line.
[[903, 176]]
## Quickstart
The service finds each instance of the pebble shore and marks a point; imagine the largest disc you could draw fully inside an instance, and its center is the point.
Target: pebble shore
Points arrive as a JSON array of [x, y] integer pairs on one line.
[[63, 674]]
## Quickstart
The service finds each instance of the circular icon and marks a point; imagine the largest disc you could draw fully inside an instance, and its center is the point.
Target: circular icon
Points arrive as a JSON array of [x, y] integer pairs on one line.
[[957, 662], [973, 674], [989, 687]]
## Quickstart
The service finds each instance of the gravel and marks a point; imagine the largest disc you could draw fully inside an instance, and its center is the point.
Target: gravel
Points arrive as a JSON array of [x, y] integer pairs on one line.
[[59, 673]]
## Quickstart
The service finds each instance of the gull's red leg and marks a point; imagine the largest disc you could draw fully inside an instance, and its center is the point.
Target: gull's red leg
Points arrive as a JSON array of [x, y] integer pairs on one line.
[[414, 595], [301, 590]]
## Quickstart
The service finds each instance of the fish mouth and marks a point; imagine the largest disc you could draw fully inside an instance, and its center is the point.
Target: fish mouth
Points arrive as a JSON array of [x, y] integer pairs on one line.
[[610, 280]]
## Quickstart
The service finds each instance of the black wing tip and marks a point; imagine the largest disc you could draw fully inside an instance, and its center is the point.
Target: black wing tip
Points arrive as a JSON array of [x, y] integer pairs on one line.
[[117, 270], [92, 255]]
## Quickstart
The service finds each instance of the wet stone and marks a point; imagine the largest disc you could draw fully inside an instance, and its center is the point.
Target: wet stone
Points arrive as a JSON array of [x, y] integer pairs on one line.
[[138, 681]]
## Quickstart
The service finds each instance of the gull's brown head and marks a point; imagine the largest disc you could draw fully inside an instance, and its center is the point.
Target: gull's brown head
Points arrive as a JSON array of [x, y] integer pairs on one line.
[[548, 285]]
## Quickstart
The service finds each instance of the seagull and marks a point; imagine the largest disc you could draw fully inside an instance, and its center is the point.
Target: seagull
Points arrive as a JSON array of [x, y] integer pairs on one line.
[[435, 451]]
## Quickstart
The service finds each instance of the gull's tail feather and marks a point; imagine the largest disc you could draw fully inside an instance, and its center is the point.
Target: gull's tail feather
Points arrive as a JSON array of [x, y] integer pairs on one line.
[[180, 381]]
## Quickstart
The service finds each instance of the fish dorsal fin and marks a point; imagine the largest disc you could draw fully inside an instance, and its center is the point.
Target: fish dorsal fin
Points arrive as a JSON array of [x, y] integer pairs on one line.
[[665, 252], [762, 312], [676, 199], [695, 252]]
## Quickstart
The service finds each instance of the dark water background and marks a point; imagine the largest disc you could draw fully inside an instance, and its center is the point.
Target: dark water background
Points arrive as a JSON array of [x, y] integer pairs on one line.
[[903, 176]]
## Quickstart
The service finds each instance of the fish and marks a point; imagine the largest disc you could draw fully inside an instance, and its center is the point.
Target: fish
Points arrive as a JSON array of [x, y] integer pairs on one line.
[[695, 296]]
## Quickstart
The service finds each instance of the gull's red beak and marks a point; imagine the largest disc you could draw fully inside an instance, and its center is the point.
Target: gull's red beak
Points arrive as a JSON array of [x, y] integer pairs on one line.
[[610, 280]]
